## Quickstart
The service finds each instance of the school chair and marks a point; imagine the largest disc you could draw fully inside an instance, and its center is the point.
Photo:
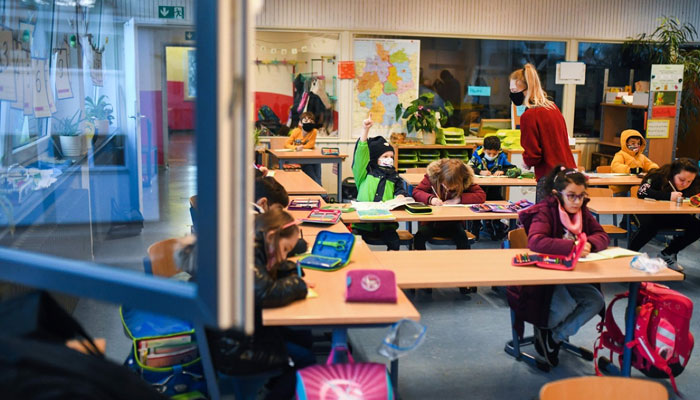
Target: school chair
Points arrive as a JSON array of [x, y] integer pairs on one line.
[[517, 239], [603, 387], [193, 213], [421, 170], [161, 258], [603, 169], [614, 231]]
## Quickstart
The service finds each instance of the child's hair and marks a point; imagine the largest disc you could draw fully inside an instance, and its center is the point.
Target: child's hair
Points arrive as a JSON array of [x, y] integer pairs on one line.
[[307, 115], [560, 177], [268, 187], [536, 96], [454, 174], [633, 137], [668, 171], [492, 143], [281, 223]]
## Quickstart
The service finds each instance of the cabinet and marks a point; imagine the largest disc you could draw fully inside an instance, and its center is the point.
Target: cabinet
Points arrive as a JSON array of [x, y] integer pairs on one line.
[[419, 156], [614, 119]]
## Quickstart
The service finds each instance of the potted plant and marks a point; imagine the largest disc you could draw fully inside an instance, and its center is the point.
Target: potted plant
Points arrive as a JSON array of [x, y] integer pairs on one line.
[[422, 115], [68, 130], [100, 113]]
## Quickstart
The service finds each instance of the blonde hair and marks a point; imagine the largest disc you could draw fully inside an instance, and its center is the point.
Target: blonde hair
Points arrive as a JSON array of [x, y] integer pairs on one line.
[[536, 96], [454, 174]]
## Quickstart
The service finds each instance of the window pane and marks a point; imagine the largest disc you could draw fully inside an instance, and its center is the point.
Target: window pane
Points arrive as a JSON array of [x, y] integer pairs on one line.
[[449, 67], [109, 105]]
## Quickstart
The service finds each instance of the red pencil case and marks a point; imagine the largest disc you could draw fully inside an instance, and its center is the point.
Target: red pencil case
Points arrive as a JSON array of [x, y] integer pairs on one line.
[[566, 263], [371, 286]]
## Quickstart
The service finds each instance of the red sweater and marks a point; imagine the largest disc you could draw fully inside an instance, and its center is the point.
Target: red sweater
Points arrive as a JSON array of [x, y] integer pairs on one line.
[[545, 141]]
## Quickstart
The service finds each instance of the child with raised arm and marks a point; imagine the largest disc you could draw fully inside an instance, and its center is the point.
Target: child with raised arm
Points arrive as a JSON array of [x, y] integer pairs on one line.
[[376, 180]]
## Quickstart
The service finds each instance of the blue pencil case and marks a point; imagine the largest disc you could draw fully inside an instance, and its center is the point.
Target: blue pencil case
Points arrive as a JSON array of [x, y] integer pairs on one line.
[[331, 251]]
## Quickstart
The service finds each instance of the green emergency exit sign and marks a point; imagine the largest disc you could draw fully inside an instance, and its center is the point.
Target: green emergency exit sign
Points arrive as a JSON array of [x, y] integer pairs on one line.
[[171, 12]]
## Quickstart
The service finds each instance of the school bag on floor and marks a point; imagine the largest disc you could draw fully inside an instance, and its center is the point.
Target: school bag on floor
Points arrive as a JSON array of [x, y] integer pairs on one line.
[[346, 381], [662, 340]]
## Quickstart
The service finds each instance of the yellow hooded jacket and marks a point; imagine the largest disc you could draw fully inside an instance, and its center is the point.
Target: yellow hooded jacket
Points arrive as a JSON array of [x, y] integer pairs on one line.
[[626, 159]]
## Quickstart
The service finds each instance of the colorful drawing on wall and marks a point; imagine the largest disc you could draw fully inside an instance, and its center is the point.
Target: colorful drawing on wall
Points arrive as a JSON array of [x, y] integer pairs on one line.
[[191, 81], [386, 73]]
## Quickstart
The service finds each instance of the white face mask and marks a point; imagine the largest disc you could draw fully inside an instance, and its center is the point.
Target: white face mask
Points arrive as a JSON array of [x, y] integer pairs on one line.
[[486, 156], [386, 162]]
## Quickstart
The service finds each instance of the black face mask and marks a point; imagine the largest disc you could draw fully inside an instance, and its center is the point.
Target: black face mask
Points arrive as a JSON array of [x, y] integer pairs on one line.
[[517, 98], [308, 127]]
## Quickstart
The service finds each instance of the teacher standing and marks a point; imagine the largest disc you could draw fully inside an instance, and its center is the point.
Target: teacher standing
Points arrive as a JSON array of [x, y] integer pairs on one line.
[[542, 127]]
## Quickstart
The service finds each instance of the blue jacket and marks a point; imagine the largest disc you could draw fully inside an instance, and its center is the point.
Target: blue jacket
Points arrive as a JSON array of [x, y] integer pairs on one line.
[[479, 163]]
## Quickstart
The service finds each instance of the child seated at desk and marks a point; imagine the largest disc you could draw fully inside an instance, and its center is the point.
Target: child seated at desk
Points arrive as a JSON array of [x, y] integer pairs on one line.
[[489, 160], [304, 137], [678, 179], [630, 159], [552, 227], [447, 181], [376, 180], [269, 192]]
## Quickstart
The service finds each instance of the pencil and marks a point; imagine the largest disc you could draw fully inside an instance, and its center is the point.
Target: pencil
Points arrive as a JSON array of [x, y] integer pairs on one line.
[[673, 187]]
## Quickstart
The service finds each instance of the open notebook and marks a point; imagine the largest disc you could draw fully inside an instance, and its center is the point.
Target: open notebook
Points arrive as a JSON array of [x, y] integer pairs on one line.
[[609, 253]]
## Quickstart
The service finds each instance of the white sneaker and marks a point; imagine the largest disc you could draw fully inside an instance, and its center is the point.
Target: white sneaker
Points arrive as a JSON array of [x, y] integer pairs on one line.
[[671, 261]]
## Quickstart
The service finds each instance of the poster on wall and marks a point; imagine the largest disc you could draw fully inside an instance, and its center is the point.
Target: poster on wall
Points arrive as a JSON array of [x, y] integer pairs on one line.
[[40, 99], [7, 67], [49, 88], [62, 75], [667, 77], [386, 74]]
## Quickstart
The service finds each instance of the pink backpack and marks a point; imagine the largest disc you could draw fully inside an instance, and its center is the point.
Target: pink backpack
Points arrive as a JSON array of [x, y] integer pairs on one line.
[[662, 340], [349, 381]]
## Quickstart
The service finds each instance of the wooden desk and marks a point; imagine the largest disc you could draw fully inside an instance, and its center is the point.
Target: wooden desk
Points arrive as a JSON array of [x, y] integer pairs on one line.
[[633, 205], [312, 157], [444, 268], [492, 267], [297, 182], [439, 214], [623, 180]]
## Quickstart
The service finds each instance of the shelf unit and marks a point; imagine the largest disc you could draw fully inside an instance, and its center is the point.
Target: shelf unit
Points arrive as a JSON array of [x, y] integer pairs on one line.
[[613, 120], [419, 156]]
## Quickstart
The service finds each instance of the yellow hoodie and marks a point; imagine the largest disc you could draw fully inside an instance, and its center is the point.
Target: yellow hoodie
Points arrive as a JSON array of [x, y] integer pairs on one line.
[[626, 158]]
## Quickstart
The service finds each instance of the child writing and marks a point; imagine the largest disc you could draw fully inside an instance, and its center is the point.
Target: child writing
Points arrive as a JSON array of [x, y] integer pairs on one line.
[[304, 137], [674, 180], [553, 226], [630, 159], [376, 180], [489, 160], [447, 181]]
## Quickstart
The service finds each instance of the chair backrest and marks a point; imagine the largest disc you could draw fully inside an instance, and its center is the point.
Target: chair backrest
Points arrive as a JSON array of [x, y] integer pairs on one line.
[[603, 169], [603, 387], [162, 257], [517, 238], [633, 190], [416, 170], [277, 142], [599, 192]]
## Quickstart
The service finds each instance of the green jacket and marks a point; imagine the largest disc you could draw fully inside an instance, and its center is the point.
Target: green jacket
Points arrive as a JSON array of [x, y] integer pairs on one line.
[[367, 185]]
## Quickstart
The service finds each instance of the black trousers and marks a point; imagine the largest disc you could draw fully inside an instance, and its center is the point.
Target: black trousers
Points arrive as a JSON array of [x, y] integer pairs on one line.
[[453, 230], [388, 237], [651, 224]]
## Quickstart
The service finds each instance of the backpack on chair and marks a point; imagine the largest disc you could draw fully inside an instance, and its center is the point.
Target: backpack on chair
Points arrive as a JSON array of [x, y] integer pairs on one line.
[[662, 340]]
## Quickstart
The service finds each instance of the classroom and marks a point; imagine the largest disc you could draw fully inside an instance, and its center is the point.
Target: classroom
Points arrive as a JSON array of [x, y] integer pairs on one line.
[[323, 199]]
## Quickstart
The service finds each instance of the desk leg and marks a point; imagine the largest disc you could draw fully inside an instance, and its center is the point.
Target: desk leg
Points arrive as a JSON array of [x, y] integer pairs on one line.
[[629, 328], [629, 229], [339, 338], [394, 375], [281, 164], [207, 365], [340, 181]]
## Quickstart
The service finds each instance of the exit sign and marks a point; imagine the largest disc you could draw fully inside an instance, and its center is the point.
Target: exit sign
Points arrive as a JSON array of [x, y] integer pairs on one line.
[[171, 12], [189, 35]]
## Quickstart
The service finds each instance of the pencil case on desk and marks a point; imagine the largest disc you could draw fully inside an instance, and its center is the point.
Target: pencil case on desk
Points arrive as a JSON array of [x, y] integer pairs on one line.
[[331, 251], [371, 286]]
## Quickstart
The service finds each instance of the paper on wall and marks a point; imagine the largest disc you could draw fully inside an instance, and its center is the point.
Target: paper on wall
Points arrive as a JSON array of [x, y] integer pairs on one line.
[[40, 99], [49, 88], [18, 56], [7, 67], [28, 92], [61, 74]]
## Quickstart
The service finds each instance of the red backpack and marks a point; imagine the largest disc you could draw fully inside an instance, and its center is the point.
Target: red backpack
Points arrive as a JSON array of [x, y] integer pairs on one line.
[[662, 340]]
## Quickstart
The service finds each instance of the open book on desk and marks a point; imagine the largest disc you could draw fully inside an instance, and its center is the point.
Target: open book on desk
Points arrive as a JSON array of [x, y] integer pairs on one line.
[[609, 253], [383, 205]]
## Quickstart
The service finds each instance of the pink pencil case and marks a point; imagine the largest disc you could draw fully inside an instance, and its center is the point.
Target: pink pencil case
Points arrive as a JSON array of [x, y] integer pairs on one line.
[[371, 286]]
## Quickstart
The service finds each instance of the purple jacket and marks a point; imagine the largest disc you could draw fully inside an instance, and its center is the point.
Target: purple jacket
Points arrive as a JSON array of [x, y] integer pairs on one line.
[[544, 235]]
